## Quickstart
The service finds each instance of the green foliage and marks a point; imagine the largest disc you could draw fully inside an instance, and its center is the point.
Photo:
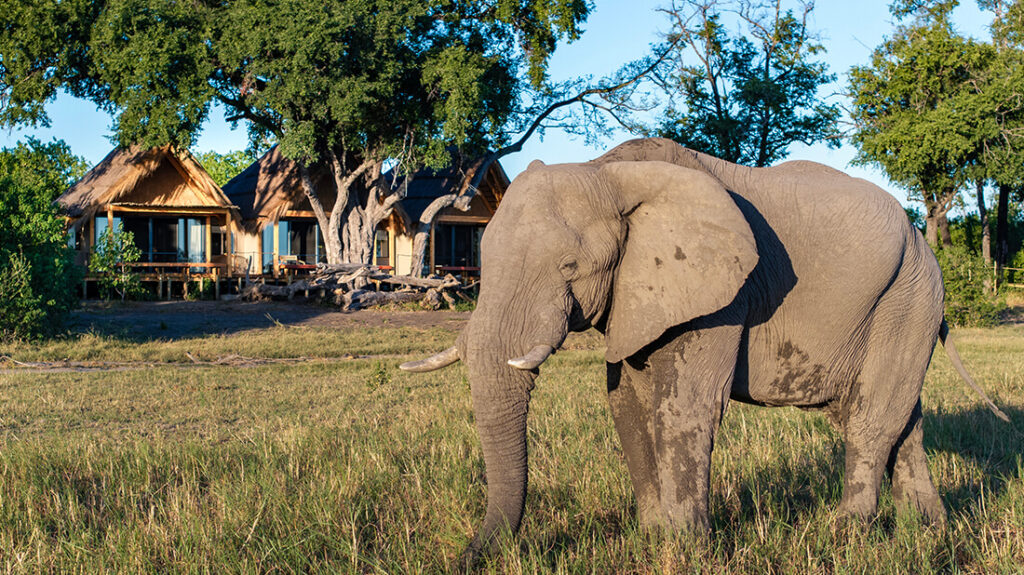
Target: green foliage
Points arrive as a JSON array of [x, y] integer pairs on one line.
[[387, 78], [114, 250], [1016, 276], [22, 313], [917, 109], [36, 265], [198, 289], [965, 278], [755, 91], [380, 377], [223, 167]]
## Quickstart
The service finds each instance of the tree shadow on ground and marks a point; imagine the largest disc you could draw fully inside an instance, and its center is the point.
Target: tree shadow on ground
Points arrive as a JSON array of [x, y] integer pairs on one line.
[[991, 444]]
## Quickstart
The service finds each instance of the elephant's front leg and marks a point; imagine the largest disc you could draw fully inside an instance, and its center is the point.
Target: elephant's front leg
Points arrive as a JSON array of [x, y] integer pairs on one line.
[[691, 379]]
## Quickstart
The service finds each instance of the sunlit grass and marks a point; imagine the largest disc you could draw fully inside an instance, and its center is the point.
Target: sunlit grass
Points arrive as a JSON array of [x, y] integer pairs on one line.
[[353, 466]]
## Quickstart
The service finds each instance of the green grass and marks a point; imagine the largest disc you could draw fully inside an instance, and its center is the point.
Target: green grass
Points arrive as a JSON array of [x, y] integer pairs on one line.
[[356, 467]]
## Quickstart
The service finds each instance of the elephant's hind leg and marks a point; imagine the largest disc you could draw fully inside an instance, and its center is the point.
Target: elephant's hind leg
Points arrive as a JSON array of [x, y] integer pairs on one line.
[[878, 412], [911, 481]]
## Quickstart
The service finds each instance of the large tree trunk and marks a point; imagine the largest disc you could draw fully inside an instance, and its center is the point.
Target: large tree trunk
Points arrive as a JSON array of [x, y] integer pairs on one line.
[[1002, 250], [332, 241], [943, 223], [986, 235], [931, 226], [426, 221]]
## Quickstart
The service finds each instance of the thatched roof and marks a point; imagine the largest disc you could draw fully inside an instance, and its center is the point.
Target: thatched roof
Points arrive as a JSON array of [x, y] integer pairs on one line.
[[116, 181], [272, 186], [427, 185]]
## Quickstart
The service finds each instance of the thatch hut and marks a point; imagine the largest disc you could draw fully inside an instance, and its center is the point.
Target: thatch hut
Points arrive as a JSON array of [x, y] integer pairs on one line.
[[281, 232], [180, 219]]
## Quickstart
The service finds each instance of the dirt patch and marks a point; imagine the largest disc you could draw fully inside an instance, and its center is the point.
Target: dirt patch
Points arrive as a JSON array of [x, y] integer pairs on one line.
[[178, 319]]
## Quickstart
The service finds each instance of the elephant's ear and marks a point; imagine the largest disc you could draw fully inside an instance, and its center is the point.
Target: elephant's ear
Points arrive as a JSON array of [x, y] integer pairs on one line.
[[687, 252]]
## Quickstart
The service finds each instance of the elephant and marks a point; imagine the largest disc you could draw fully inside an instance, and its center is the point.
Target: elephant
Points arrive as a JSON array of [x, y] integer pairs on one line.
[[794, 285]]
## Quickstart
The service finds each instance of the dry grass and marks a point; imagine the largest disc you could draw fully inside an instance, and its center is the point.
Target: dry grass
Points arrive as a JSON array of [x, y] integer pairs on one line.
[[356, 467]]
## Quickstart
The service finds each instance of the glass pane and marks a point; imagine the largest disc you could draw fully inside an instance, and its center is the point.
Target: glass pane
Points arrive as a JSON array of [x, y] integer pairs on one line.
[[301, 235], [196, 240], [283, 244], [101, 226], [268, 248], [139, 228], [165, 240], [381, 250]]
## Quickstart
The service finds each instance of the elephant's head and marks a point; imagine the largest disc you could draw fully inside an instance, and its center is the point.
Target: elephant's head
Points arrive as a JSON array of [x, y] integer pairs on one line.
[[633, 248]]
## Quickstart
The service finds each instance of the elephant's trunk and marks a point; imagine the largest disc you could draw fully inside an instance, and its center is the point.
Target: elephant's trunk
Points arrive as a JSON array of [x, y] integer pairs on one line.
[[501, 398]]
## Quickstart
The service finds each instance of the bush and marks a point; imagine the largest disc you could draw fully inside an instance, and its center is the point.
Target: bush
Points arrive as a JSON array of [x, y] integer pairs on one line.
[[1015, 276], [37, 273], [115, 248], [22, 314], [968, 303]]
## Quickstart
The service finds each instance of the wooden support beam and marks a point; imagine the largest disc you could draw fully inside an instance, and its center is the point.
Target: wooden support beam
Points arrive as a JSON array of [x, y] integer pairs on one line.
[[209, 239], [277, 249]]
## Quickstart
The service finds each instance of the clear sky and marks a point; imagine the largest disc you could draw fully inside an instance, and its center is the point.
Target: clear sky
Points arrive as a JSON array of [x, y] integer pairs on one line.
[[616, 32]]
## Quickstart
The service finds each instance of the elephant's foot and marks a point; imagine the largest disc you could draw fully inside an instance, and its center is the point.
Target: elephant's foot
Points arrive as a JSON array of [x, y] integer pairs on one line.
[[911, 481], [859, 504], [924, 499]]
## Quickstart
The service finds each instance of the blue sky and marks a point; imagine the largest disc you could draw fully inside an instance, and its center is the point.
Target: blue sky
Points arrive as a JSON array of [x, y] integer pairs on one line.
[[616, 32]]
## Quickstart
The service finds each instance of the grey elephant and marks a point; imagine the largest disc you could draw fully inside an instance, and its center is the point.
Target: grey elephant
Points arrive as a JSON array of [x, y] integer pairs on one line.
[[792, 285]]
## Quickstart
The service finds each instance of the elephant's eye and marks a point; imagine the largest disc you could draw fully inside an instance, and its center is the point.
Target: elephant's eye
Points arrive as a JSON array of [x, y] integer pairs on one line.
[[569, 268]]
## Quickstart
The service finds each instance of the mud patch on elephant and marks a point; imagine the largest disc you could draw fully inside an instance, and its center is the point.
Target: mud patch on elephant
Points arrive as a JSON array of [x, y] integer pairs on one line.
[[797, 374]]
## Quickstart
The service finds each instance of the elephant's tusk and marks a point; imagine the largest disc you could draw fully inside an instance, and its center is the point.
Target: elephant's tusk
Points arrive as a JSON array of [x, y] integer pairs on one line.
[[436, 361], [533, 359]]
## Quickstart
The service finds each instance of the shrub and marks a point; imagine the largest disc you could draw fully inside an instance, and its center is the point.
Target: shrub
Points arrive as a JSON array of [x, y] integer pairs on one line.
[[115, 249], [968, 303], [22, 314], [37, 273], [1015, 275]]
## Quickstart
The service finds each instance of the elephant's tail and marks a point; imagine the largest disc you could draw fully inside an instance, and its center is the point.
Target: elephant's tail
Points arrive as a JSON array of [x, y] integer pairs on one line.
[[954, 356]]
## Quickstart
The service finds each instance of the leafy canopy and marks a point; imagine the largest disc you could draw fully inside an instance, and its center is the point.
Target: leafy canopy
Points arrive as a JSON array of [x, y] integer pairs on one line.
[[380, 78], [745, 96], [223, 167], [916, 107]]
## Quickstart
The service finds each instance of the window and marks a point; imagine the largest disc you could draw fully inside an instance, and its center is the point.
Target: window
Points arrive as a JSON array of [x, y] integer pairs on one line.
[[457, 245], [165, 239], [268, 248], [382, 251]]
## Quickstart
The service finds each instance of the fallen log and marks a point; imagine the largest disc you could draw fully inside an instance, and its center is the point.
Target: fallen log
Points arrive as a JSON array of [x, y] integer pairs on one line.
[[360, 299]]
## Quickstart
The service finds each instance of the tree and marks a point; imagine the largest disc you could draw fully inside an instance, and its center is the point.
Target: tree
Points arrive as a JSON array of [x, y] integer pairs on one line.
[[349, 87], [746, 97], [917, 112], [37, 275], [223, 167], [115, 250], [1002, 157]]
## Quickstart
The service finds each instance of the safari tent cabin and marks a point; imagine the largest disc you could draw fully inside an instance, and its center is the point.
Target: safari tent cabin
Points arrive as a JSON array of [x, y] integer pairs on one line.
[[282, 237], [180, 219], [279, 232]]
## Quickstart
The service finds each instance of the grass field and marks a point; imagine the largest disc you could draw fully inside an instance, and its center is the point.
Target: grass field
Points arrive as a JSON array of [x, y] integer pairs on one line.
[[342, 463]]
